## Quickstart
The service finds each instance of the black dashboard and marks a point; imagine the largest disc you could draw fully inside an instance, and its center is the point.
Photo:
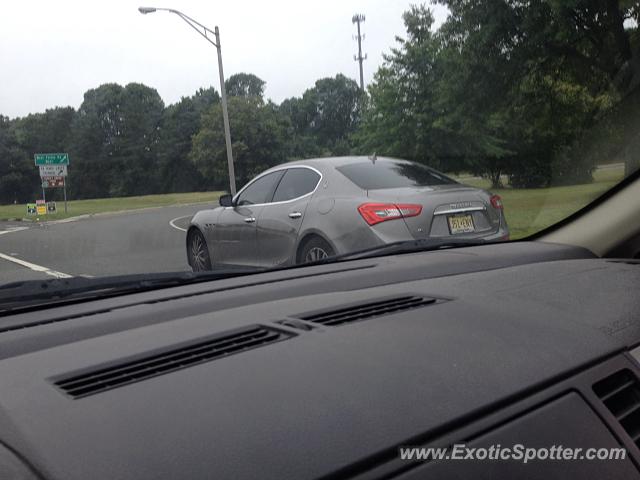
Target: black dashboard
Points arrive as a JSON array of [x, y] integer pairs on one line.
[[326, 371]]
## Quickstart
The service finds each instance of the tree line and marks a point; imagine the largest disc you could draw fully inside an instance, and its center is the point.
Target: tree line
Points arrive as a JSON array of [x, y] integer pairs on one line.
[[538, 92], [123, 140]]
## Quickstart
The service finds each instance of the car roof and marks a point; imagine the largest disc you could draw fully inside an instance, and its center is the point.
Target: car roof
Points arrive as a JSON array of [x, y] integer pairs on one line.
[[335, 161]]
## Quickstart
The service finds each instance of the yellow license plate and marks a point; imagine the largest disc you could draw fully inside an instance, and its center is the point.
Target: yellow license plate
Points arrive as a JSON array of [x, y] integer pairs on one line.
[[461, 224]]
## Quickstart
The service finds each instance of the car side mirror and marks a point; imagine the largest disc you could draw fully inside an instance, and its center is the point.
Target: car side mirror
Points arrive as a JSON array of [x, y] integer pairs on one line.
[[226, 200]]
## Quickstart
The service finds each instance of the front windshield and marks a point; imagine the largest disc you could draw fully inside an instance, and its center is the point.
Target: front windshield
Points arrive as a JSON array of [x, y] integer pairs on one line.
[[477, 121]]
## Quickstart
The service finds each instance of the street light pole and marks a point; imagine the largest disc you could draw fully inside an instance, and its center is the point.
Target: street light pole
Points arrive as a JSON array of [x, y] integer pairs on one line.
[[225, 116], [223, 92]]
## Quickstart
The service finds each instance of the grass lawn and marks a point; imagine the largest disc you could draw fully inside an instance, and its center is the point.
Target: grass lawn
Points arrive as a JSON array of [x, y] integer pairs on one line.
[[531, 210], [101, 205]]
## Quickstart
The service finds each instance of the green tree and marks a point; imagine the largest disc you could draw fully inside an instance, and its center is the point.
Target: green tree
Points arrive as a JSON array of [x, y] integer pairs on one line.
[[301, 140], [115, 141], [45, 132], [24, 137], [543, 73], [336, 105], [258, 135], [180, 122], [325, 117], [18, 176], [503, 87], [244, 85], [406, 115]]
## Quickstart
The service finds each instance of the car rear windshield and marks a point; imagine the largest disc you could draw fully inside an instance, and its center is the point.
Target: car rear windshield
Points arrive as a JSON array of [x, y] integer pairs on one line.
[[386, 174]]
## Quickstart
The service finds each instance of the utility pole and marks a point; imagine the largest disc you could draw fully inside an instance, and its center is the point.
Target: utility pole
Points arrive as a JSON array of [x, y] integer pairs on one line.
[[359, 18]]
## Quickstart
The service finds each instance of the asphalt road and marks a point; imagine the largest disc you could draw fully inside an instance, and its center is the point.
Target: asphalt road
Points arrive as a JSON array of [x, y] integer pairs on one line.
[[140, 241]]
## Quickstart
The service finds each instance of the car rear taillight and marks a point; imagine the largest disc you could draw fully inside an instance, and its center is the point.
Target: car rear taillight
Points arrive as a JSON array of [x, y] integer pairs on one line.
[[496, 201], [374, 213]]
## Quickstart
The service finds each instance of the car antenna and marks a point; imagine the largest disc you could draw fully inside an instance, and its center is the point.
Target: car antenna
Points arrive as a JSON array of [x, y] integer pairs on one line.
[[373, 158]]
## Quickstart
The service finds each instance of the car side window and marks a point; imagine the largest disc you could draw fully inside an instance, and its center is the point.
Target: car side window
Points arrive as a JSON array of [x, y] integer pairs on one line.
[[296, 183], [260, 191]]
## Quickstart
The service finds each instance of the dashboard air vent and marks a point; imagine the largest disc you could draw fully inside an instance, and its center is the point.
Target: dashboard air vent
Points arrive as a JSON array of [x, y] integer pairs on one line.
[[169, 360], [620, 393], [362, 311]]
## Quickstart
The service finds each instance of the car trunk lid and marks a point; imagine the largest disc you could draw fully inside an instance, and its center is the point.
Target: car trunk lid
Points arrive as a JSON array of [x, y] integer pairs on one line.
[[447, 210]]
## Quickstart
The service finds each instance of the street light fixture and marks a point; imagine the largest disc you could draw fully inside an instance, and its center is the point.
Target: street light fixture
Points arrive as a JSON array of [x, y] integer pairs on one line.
[[204, 32]]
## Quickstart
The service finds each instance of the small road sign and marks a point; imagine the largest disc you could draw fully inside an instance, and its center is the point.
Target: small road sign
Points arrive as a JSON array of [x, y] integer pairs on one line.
[[31, 209], [51, 158], [52, 182], [51, 207], [53, 170], [41, 207]]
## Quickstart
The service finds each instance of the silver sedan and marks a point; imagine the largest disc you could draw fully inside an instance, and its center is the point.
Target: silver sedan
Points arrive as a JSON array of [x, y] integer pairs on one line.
[[308, 210]]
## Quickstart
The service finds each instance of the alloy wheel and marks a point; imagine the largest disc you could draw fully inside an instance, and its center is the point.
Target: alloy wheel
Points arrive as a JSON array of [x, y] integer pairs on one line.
[[198, 253], [315, 254]]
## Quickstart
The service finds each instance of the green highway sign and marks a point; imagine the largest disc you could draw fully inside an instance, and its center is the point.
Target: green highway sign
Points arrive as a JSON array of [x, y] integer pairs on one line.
[[51, 158]]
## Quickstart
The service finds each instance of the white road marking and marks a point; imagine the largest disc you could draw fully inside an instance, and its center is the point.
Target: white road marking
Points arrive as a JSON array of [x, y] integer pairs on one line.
[[13, 229], [29, 265], [34, 267], [177, 227]]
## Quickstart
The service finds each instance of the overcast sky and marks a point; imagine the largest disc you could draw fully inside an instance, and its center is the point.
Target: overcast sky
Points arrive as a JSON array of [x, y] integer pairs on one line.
[[52, 51]]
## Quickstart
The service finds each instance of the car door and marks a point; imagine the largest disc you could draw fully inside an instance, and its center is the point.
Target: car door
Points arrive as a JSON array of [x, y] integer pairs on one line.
[[280, 221], [235, 241]]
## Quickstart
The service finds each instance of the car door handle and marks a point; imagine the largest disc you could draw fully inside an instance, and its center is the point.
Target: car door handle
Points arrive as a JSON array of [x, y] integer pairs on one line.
[[250, 219], [295, 215]]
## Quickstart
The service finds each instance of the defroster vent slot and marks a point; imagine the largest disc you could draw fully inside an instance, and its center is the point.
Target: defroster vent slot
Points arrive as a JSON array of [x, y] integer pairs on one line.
[[169, 360], [362, 311]]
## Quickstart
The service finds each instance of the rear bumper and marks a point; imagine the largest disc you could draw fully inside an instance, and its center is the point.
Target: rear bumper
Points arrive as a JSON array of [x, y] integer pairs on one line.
[[363, 236], [501, 234], [397, 231]]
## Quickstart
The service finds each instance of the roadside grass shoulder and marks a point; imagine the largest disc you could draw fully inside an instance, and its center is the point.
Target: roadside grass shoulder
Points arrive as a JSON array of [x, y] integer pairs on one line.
[[530, 210]]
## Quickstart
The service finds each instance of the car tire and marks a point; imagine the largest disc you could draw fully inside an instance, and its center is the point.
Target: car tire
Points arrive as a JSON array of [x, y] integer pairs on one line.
[[198, 252], [314, 250]]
